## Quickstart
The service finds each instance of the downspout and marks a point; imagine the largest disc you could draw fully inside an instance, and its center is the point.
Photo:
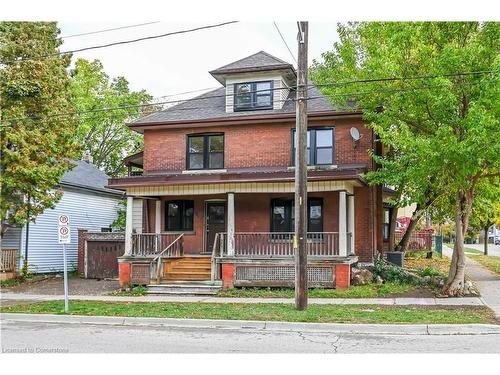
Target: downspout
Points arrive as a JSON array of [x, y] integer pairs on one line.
[[25, 262]]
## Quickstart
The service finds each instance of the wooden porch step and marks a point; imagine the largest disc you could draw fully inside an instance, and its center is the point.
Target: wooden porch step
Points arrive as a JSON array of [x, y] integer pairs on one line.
[[180, 275], [188, 268]]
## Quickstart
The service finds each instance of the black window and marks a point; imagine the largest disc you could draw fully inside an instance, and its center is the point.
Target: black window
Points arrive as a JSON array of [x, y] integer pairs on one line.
[[283, 215], [205, 151], [253, 95], [179, 215], [319, 146]]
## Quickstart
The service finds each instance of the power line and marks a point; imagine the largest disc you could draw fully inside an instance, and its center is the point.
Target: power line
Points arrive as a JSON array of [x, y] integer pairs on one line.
[[106, 30], [284, 41], [128, 41], [390, 79], [206, 97]]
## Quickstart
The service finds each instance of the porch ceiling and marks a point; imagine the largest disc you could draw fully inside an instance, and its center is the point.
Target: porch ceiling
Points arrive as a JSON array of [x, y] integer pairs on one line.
[[247, 187]]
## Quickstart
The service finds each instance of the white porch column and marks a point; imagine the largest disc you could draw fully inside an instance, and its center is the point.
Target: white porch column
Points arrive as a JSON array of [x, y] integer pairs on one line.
[[128, 226], [342, 224], [350, 220], [230, 224], [158, 216]]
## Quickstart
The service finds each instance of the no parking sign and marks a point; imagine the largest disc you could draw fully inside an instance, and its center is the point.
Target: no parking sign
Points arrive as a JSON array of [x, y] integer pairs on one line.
[[63, 230]]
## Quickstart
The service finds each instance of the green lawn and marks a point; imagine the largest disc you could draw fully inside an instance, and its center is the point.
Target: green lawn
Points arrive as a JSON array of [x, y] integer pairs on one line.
[[361, 291], [270, 312], [470, 250], [490, 262]]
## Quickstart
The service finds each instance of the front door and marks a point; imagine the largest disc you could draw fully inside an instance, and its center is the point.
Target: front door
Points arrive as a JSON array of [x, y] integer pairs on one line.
[[215, 221]]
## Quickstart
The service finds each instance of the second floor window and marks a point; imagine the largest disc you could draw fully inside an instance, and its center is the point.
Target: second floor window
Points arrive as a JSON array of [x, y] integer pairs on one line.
[[205, 151], [253, 95], [319, 146]]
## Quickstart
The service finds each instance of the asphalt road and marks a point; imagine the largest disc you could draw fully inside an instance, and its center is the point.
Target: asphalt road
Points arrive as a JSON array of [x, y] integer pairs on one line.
[[25, 336]]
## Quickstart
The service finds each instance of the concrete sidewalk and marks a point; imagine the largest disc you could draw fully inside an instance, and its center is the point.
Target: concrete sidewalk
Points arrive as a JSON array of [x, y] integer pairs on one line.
[[248, 325], [11, 298], [486, 281]]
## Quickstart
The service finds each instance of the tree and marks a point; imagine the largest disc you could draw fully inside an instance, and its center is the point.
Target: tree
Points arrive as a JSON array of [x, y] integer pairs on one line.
[[35, 147], [444, 128], [105, 133]]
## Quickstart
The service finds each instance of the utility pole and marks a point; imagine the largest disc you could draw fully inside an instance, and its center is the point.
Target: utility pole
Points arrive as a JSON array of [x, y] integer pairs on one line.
[[300, 235]]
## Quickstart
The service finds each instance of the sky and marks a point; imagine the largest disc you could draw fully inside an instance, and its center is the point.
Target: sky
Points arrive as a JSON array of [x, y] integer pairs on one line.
[[180, 63]]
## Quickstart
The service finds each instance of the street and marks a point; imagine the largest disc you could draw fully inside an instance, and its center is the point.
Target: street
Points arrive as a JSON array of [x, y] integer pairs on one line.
[[45, 336]]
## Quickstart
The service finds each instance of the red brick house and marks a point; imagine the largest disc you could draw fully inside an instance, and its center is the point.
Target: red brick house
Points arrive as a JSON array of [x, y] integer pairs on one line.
[[211, 196]]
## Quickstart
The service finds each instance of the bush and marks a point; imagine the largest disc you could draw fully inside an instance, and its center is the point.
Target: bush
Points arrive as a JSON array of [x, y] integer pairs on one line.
[[392, 273]]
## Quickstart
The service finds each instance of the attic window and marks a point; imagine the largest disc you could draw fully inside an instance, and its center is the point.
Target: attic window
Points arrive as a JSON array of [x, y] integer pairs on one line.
[[253, 95]]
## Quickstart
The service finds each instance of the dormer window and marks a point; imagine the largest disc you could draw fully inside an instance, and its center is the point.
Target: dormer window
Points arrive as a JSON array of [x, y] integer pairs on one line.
[[253, 95]]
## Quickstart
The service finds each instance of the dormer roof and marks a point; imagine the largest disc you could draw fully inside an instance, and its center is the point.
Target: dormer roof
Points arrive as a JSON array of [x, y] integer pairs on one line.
[[258, 62]]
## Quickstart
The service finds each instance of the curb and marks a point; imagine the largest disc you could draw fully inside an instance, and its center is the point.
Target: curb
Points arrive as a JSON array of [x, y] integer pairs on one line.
[[339, 328]]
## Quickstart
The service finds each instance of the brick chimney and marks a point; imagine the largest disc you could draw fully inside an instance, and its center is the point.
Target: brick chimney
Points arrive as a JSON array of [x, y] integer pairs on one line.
[[87, 157]]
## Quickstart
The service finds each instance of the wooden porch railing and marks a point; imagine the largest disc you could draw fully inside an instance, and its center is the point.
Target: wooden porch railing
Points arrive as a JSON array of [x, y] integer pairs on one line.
[[151, 244], [279, 244], [8, 260]]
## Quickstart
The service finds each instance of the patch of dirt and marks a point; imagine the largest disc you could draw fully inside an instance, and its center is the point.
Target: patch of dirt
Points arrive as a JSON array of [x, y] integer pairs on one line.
[[76, 286]]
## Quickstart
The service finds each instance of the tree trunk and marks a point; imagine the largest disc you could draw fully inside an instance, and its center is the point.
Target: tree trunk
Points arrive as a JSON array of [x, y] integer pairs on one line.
[[486, 240], [392, 228], [403, 244], [456, 276]]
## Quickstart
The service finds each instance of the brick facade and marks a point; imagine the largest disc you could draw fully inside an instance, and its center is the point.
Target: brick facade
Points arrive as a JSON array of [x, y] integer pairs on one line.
[[254, 145], [81, 252]]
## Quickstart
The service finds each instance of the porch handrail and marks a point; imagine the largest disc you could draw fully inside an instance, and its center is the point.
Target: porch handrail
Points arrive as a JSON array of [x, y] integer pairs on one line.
[[213, 262], [150, 244], [159, 257]]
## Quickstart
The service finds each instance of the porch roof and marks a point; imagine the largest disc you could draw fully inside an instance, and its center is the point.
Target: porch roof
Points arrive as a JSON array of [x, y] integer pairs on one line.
[[351, 172]]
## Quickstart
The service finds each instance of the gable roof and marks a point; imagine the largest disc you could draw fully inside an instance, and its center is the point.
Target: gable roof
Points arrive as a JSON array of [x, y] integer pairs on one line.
[[87, 176], [258, 61], [212, 105]]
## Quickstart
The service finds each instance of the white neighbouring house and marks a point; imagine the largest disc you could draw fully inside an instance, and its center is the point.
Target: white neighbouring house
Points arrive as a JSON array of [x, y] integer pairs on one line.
[[88, 203]]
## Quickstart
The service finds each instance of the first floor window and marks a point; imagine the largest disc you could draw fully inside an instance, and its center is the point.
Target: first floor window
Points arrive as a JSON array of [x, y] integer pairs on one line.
[[179, 215], [283, 215]]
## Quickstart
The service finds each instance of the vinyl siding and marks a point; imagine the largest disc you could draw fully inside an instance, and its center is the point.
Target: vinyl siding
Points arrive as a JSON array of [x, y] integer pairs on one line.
[[86, 210], [137, 216]]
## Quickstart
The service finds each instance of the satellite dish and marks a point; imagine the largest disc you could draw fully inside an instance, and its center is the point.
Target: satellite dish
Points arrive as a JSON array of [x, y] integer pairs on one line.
[[355, 134]]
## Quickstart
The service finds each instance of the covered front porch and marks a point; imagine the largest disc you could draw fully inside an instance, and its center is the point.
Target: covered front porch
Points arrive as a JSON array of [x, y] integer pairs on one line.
[[241, 237]]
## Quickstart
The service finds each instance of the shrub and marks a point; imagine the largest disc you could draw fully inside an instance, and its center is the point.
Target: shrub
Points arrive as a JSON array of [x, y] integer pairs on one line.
[[392, 273]]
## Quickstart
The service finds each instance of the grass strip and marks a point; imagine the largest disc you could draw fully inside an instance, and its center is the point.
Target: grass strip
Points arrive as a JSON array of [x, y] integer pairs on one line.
[[490, 262], [271, 312], [360, 291]]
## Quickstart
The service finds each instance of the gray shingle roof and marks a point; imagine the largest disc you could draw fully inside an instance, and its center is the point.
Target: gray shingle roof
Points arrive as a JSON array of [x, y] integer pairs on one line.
[[260, 60], [212, 105], [87, 176]]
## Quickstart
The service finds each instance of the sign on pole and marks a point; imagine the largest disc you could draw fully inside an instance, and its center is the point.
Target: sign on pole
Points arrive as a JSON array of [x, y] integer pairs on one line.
[[64, 237]]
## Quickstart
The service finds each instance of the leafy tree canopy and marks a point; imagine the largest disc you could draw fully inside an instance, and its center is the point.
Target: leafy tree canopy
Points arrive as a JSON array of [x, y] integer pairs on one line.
[[105, 134], [442, 132], [35, 147]]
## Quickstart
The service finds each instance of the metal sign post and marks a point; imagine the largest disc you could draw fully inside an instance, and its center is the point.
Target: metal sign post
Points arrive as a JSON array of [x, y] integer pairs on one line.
[[64, 237]]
